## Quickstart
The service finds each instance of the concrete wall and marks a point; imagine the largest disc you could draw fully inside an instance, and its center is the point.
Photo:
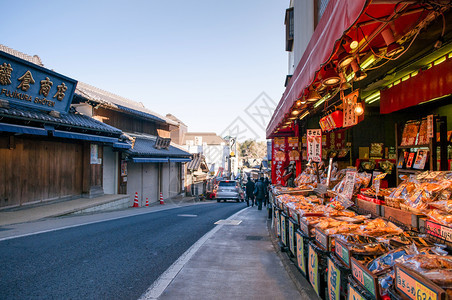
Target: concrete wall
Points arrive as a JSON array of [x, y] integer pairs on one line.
[[171, 185], [110, 171]]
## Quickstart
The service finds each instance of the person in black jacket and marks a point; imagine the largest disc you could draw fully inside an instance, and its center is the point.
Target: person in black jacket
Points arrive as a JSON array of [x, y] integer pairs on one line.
[[259, 192], [266, 184], [249, 189]]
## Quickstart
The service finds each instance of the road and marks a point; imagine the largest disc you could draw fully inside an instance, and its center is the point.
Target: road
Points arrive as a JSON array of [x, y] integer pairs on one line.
[[114, 259]]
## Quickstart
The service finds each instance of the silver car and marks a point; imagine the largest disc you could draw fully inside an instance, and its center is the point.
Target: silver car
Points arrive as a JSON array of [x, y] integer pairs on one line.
[[229, 190]]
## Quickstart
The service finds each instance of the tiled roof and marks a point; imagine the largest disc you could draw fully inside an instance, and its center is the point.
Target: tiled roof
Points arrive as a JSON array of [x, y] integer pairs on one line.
[[33, 59], [112, 100], [71, 119], [144, 146]]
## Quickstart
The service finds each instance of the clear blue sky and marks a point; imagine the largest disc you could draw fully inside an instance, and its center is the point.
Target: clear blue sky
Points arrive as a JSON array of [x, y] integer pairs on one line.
[[203, 61]]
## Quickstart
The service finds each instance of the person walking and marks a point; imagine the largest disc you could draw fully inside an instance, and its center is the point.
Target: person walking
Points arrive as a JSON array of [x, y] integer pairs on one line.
[[249, 189], [259, 192], [266, 184]]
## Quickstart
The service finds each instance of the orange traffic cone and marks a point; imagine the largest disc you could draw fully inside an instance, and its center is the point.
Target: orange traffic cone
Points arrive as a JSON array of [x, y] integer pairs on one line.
[[135, 202], [147, 202], [161, 198]]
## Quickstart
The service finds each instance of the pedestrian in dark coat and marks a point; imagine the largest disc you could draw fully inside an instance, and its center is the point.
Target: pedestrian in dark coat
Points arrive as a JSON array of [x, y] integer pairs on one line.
[[249, 189], [259, 192], [266, 184]]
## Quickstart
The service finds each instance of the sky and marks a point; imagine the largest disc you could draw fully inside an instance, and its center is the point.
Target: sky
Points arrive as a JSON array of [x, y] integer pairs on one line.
[[218, 66]]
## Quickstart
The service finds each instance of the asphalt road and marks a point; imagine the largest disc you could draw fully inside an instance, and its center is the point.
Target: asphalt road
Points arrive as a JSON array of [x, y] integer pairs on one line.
[[116, 259]]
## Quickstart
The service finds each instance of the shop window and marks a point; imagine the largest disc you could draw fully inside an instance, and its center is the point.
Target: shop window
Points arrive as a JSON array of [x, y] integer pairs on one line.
[[289, 22]]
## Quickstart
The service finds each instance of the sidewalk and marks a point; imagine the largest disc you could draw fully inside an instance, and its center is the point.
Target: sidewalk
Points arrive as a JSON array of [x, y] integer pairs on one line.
[[235, 262]]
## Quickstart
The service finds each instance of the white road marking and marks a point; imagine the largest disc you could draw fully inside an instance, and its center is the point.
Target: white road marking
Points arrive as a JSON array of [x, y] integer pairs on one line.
[[187, 215], [157, 288]]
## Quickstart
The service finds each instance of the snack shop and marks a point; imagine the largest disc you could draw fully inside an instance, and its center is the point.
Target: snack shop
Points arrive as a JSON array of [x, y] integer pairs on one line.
[[361, 153]]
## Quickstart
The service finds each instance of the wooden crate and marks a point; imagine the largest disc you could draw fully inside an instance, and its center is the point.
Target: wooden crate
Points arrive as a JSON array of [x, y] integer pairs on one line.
[[407, 218], [371, 207]]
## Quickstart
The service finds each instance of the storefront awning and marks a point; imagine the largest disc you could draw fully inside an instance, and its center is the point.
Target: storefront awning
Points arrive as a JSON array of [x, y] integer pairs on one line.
[[150, 160], [23, 129], [180, 159], [338, 17], [82, 136]]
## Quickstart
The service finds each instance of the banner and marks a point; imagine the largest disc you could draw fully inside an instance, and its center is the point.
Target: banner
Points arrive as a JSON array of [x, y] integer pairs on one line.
[[314, 145], [280, 159]]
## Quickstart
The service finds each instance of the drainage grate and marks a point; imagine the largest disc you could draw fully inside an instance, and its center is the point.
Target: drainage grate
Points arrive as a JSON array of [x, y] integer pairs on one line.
[[228, 222]]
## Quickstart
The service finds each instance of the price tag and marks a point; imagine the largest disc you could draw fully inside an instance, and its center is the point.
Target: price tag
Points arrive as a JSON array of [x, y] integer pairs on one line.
[[291, 237], [301, 261], [412, 287], [354, 294], [350, 178], [334, 281], [321, 238], [439, 230], [304, 227], [313, 267], [363, 277], [343, 253]]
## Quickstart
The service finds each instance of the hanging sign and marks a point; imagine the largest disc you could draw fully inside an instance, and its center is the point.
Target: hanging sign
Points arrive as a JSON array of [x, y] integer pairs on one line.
[[28, 84], [349, 103], [430, 126], [315, 145], [280, 159]]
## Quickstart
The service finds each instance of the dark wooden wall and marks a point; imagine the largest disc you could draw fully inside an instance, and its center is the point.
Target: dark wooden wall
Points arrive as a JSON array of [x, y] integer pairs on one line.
[[129, 123], [35, 170]]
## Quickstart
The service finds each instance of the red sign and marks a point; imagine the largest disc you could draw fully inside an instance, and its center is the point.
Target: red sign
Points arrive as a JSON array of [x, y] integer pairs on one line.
[[349, 103], [280, 159]]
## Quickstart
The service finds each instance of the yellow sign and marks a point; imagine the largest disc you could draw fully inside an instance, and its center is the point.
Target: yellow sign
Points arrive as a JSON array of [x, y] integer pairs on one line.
[[313, 268], [353, 294], [283, 230], [413, 288], [300, 254], [291, 237], [334, 281]]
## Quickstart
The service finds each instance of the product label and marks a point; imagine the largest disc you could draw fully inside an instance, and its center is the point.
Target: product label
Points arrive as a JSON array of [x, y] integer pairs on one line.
[[304, 227], [342, 253], [291, 237], [413, 288], [354, 294], [439, 230], [334, 281], [363, 277], [321, 238], [313, 267], [283, 230], [301, 261]]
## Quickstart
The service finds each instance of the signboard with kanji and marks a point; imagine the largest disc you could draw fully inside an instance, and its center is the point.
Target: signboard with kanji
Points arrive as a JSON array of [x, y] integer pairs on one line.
[[28, 84], [280, 159], [349, 103], [314, 137]]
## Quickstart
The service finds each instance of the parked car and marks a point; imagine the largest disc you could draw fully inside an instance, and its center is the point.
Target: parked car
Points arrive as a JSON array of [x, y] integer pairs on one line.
[[229, 190]]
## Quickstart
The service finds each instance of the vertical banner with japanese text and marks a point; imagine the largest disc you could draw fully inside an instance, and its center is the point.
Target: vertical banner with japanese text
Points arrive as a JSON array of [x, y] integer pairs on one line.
[[280, 159], [349, 103], [314, 137]]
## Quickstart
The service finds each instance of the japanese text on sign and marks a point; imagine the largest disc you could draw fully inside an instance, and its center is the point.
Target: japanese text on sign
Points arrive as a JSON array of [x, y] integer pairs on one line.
[[314, 144], [412, 287], [349, 103]]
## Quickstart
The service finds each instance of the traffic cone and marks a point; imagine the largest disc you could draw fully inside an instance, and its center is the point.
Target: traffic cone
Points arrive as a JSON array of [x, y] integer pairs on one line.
[[135, 202], [161, 198], [147, 202]]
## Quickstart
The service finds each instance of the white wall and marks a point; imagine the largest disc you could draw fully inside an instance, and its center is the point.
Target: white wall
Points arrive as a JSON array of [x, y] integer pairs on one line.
[[303, 30], [143, 178], [170, 180], [110, 171]]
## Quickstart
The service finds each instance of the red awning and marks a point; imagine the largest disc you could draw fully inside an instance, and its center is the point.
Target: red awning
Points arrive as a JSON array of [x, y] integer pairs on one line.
[[338, 17]]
